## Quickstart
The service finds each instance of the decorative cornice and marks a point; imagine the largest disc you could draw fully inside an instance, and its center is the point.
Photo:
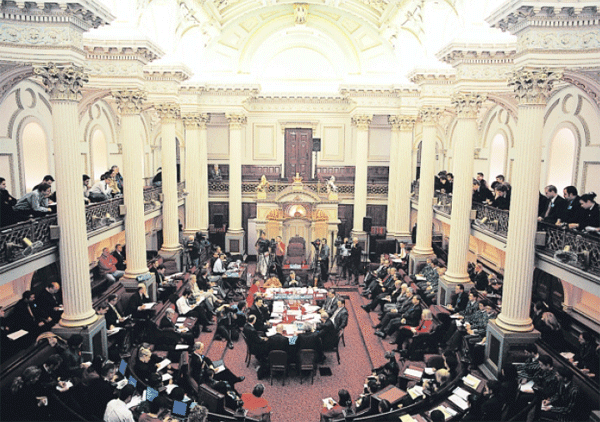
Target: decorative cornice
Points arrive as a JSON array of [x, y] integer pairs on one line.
[[405, 123], [533, 86], [221, 90], [375, 90], [362, 121], [430, 115], [174, 72], [168, 112], [143, 50], [467, 104], [62, 83], [236, 121], [518, 14], [130, 101], [195, 120], [432, 76], [85, 14], [466, 53]]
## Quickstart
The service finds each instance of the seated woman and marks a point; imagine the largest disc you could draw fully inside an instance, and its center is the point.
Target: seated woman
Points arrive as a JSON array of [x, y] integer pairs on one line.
[[28, 400], [146, 363], [550, 329], [364, 400], [431, 386], [272, 282], [342, 408], [407, 332]]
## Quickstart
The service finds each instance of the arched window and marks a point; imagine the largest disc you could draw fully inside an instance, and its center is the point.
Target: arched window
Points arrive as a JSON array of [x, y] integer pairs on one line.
[[99, 149], [498, 151], [561, 159], [35, 155]]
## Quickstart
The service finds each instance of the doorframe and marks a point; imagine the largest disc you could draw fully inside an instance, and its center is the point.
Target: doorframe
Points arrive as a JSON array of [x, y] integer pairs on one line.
[[285, 147]]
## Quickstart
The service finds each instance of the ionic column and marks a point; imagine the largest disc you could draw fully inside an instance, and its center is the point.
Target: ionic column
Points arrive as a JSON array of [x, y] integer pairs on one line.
[[362, 123], [392, 201], [63, 85], [429, 117], [203, 164], [235, 232], [467, 105], [403, 180], [532, 89], [129, 104], [196, 199], [169, 113]]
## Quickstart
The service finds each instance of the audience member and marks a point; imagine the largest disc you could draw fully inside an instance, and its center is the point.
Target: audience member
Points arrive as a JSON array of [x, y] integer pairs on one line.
[[554, 205], [257, 406], [7, 202], [561, 405], [572, 209], [256, 342], [101, 190], [198, 414], [28, 402], [117, 409], [48, 303], [86, 188], [589, 218], [73, 364], [119, 255], [185, 309], [108, 267], [34, 204], [459, 300], [343, 407], [27, 316]]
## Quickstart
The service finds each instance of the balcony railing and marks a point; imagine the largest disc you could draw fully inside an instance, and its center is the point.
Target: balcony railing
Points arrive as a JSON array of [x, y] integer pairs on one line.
[[36, 230], [344, 189], [491, 219]]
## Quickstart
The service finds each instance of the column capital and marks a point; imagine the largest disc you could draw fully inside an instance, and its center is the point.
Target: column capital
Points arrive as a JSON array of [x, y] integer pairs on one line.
[[195, 120], [430, 115], [236, 121], [168, 111], [62, 82], [467, 104], [533, 86], [130, 101], [401, 122], [362, 121]]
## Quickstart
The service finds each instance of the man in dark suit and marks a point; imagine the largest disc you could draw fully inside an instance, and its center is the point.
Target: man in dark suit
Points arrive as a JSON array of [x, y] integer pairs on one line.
[[331, 302], [203, 370], [340, 316], [120, 256], [555, 205], [136, 301], [310, 340], [293, 281], [479, 277], [355, 258], [26, 315], [278, 341], [169, 329], [459, 299], [48, 302], [481, 193], [572, 207], [411, 317], [257, 343], [257, 309], [327, 332]]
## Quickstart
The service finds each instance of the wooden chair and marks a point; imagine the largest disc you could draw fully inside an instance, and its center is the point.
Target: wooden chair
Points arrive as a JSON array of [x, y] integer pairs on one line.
[[248, 353], [308, 362], [335, 347], [342, 337], [278, 363]]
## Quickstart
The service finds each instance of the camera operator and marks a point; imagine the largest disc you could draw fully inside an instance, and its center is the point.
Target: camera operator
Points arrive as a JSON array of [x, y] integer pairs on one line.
[[324, 260], [344, 257], [355, 258], [262, 247]]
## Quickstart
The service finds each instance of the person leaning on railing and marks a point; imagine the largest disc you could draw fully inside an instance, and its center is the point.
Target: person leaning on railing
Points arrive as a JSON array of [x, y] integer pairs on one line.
[[34, 203], [589, 219]]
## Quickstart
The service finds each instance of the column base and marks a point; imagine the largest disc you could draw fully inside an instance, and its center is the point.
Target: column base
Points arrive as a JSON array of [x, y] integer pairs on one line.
[[94, 338], [172, 255], [234, 242], [415, 261], [131, 284], [446, 287], [499, 343]]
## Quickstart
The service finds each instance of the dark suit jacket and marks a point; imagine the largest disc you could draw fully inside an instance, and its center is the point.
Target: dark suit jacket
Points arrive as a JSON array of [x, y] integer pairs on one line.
[[341, 319], [120, 260], [310, 341], [459, 302], [557, 209], [330, 305], [136, 301], [260, 320], [111, 317], [278, 342], [167, 324], [199, 368], [255, 342], [288, 279], [21, 317], [46, 302], [328, 334], [480, 280], [413, 315]]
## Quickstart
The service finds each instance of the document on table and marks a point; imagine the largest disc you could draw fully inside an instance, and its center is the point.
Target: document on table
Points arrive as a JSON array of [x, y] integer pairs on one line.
[[407, 418], [162, 365], [527, 387], [567, 355], [271, 332], [420, 278], [448, 412], [463, 394], [122, 383], [147, 306], [462, 404], [166, 377], [113, 331], [278, 306], [328, 403], [416, 391], [430, 371], [311, 308], [17, 334], [181, 320], [413, 372], [170, 387], [289, 328], [135, 400], [182, 347], [471, 381]]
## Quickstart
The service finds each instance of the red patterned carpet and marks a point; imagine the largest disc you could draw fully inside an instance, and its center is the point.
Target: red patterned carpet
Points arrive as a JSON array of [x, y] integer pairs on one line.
[[302, 402]]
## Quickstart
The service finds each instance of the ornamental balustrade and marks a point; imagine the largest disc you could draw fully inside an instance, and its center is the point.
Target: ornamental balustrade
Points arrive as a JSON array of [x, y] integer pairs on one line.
[[275, 187], [491, 219], [35, 230]]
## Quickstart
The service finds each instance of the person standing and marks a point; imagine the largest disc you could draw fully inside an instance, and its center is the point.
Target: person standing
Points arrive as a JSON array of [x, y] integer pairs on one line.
[[324, 260], [355, 258], [7, 202], [262, 249]]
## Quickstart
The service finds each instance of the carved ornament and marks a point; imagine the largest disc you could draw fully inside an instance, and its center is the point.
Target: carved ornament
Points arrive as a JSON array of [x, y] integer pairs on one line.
[[533, 86], [168, 111], [430, 115], [236, 121], [362, 121], [196, 120], [62, 83], [300, 12], [402, 122], [467, 104], [130, 101]]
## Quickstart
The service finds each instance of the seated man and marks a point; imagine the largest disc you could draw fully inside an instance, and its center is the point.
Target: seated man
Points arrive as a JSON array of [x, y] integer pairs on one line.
[[262, 314], [26, 315], [34, 203], [561, 406], [135, 306], [108, 267], [278, 341], [340, 315], [272, 282], [330, 304], [256, 342], [257, 407], [293, 281], [203, 371], [49, 303], [185, 309], [459, 301], [412, 317], [396, 312], [168, 325]]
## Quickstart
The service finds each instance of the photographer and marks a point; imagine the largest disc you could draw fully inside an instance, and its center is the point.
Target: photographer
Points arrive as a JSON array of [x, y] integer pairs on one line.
[[355, 258], [262, 247], [324, 260], [344, 256]]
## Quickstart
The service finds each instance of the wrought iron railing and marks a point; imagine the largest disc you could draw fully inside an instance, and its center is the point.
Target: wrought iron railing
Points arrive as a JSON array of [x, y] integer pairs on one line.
[[152, 198], [444, 202], [181, 190], [36, 230], [491, 219], [584, 248], [275, 187], [102, 214]]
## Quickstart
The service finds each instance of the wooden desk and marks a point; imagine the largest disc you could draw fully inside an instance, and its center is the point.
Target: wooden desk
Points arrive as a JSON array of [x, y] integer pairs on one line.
[[390, 393]]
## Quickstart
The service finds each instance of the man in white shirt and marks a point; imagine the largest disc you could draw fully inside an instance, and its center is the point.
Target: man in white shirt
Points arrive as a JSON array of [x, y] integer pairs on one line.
[[101, 191], [184, 309], [116, 409]]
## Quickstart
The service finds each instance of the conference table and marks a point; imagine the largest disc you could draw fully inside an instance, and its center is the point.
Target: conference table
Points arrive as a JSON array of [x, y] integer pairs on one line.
[[295, 308]]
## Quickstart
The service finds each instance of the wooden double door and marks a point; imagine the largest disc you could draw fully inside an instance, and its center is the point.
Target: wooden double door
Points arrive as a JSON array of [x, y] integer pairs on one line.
[[298, 153]]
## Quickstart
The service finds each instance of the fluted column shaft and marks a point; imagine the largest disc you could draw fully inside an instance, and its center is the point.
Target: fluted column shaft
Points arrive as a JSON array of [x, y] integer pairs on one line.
[[203, 166], [403, 178], [129, 103], [64, 84], [467, 106], [169, 114], [193, 181], [532, 89], [236, 122], [392, 200], [429, 116], [362, 123]]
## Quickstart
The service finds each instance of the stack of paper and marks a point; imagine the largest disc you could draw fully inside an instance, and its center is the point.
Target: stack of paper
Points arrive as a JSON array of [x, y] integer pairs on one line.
[[328, 403], [463, 394], [448, 412], [181, 320], [166, 377], [527, 388], [567, 355], [471, 381], [147, 306], [162, 365], [17, 334], [407, 418], [416, 391], [459, 401], [413, 372], [182, 347]]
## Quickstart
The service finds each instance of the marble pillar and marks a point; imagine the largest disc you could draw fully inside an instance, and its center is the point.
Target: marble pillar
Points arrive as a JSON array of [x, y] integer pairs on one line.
[[403, 179], [467, 106], [392, 201], [169, 113], [514, 326], [429, 117], [362, 123], [234, 238], [63, 84], [196, 199]]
